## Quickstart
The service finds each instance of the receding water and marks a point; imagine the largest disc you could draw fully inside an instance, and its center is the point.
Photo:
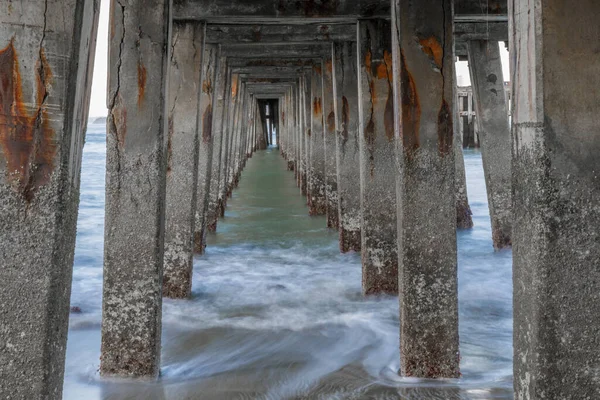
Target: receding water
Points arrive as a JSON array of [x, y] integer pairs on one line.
[[277, 311]]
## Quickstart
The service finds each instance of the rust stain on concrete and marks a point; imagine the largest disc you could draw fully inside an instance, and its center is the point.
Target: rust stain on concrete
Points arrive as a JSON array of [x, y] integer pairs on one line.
[[369, 61], [142, 76], [27, 140], [329, 66], [317, 106], [318, 69], [207, 124], [411, 109], [445, 129], [331, 121], [432, 47], [234, 86]]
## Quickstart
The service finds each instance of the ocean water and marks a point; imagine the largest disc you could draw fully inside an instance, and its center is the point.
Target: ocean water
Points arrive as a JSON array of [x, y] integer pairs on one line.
[[277, 311]]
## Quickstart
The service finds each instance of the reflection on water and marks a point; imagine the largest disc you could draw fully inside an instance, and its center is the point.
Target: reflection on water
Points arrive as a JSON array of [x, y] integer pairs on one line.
[[277, 312]]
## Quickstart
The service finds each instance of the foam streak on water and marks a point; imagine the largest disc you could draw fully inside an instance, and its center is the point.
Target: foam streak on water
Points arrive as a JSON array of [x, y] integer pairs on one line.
[[277, 312]]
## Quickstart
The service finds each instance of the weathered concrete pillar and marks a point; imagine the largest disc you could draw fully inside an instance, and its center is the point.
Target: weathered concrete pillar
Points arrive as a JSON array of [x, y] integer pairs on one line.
[[492, 119], [250, 128], [219, 115], [238, 139], [307, 113], [464, 215], [291, 152], [379, 247], [556, 184], [182, 157], [232, 92], [329, 137], [423, 94], [301, 133], [135, 188], [345, 87], [297, 129], [46, 66], [206, 103], [316, 184]]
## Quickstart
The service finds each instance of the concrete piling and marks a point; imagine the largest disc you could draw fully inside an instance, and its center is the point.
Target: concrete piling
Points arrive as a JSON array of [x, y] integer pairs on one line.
[[219, 116], [464, 215], [329, 137], [379, 246], [135, 188], [346, 99], [316, 184], [423, 92], [556, 184], [46, 66], [182, 157], [207, 103], [491, 109]]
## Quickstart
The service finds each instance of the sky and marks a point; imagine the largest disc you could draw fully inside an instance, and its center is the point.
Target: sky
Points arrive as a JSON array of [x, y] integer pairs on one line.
[[98, 100]]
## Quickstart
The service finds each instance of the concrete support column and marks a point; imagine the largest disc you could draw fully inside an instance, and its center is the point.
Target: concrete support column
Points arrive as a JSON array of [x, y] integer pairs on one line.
[[46, 66], [423, 91], [232, 92], [464, 215], [135, 188], [250, 128], [316, 184], [238, 139], [491, 109], [345, 87], [307, 113], [206, 103], [182, 157], [301, 129], [379, 247], [219, 115], [297, 129], [329, 137], [556, 183]]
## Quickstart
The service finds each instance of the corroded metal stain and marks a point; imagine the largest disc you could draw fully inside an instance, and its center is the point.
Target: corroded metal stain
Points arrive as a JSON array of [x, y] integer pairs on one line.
[[329, 66], [445, 129], [234, 86], [142, 76], [207, 86], [27, 141], [317, 106], [411, 109], [331, 121], [369, 62], [318, 70], [207, 124], [432, 47]]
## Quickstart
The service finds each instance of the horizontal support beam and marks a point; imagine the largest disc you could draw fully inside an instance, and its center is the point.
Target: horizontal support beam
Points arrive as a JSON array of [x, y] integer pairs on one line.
[[278, 11], [272, 62], [251, 78], [307, 32], [492, 31], [262, 50], [481, 8]]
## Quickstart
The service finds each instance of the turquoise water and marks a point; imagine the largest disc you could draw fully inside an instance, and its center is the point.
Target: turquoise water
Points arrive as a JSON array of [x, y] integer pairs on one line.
[[277, 311]]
